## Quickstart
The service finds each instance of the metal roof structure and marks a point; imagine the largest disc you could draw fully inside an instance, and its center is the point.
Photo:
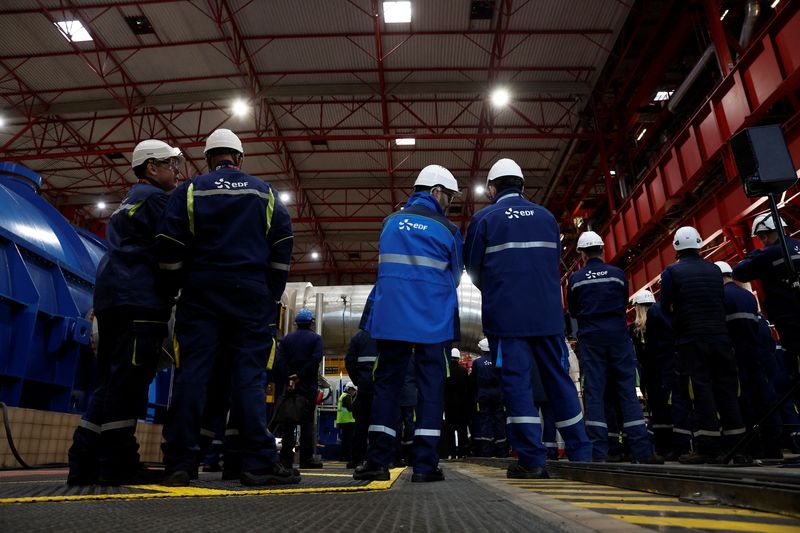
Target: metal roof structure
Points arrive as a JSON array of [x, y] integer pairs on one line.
[[331, 87]]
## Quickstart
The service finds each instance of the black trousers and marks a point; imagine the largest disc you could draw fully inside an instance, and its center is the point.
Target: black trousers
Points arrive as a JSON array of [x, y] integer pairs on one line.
[[708, 372], [307, 445], [362, 407]]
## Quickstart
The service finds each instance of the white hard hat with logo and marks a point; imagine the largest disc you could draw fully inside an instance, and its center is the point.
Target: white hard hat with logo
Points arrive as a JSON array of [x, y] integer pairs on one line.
[[765, 222], [154, 149], [483, 344], [504, 167], [643, 297], [223, 138], [687, 238], [589, 239], [349, 385], [455, 353], [434, 175], [724, 267]]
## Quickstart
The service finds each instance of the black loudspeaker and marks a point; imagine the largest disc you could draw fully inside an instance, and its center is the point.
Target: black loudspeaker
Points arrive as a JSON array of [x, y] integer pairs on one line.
[[763, 160]]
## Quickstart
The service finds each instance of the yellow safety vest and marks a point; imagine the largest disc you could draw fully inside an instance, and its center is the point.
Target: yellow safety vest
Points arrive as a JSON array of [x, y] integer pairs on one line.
[[343, 415]]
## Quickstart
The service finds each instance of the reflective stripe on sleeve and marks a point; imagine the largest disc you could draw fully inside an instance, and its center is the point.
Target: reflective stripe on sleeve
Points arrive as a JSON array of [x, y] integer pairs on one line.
[[737, 316], [366, 359], [279, 266], [521, 245], [598, 280], [414, 260], [523, 420], [383, 429], [737, 431]]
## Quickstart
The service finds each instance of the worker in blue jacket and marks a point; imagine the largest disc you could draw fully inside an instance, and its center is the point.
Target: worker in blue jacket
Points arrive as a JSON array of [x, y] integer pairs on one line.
[[359, 362], [228, 238], [132, 314], [300, 353], [489, 437], [598, 297], [512, 254], [755, 363], [414, 309], [781, 305], [692, 293]]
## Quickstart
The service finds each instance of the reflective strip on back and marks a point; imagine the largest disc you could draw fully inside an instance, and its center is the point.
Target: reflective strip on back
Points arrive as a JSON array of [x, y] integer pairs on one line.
[[521, 245], [598, 280], [414, 260]]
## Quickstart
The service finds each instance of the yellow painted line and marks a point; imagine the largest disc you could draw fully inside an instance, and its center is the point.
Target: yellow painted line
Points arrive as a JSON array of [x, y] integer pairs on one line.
[[688, 508], [609, 492], [703, 523], [186, 492], [346, 475], [633, 498]]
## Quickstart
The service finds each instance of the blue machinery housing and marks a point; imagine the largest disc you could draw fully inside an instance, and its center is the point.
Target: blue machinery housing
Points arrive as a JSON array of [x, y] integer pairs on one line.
[[47, 275]]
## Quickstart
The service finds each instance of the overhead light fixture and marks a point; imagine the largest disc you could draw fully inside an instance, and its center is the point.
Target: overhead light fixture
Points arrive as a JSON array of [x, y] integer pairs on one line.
[[2, 122], [397, 12], [641, 134], [101, 205], [240, 108], [612, 172], [314, 255], [662, 96], [775, 3], [725, 14], [284, 196], [500, 97], [405, 141], [479, 189], [73, 31]]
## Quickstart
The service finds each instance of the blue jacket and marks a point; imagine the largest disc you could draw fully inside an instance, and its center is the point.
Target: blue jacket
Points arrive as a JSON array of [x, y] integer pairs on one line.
[[598, 298], [768, 266], [360, 361], [741, 316], [512, 255], [419, 268], [128, 273], [692, 294], [486, 381], [659, 337], [227, 221], [300, 352]]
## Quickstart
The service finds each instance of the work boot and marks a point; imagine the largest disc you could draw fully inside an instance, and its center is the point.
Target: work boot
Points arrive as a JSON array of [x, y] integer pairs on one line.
[[277, 474], [427, 477], [517, 471], [310, 464], [176, 478], [652, 459], [351, 465], [698, 458], [371, 472]]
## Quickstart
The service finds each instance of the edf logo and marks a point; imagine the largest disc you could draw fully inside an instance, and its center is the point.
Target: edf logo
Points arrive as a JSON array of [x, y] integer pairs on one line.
[[407, 225], [590, 274], [222, 184], [516, 213]]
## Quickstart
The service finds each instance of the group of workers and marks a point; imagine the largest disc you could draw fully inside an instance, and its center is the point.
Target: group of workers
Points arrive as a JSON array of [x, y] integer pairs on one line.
[[221, 244]]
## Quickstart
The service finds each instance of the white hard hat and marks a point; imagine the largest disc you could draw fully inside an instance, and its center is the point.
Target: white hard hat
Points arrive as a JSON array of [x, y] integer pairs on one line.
[[349, 385], [483, 344], [455, 353], [724, 267], [154, 149], [223, 138], [504, 167], [643, 297], [589, 239], [434, 175], [687, 238], [765, 222]]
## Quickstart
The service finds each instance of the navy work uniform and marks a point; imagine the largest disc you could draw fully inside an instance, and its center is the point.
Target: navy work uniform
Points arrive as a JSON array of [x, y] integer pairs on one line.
[[230, 237], [458, 408], [755, 362], [132, 315], [359, 362], [414, 309], [692, 293], [408, 406], [512, 253], [301, 354], [598, 298], [489, 437]]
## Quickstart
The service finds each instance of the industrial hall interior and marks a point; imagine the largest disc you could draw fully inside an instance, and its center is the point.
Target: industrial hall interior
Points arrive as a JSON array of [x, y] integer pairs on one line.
[[421, 265]]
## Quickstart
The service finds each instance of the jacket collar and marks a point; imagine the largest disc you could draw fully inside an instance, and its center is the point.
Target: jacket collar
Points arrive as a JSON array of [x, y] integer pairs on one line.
[[425, 199], [594, 261], [506, 194]]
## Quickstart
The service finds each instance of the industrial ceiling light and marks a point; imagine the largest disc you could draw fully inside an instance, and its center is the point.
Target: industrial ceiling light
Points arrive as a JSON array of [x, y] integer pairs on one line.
[[314, 255], [775, 3], [500, 97], [662, 96], [405, 141], [284, 196], [240, 108], [73, 31], [397, 12], [641, 134], [725, 14], [101, 205], [2, 122], [612, 172], [479, 189]]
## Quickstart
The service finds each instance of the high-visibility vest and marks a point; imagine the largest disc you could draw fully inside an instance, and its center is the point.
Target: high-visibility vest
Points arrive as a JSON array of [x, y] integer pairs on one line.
[[343, 415]]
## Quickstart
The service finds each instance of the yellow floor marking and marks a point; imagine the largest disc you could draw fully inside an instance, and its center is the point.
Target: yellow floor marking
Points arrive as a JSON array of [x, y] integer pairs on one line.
[[325, 475], [184, 492], [632, 498], [609, 492], [688, 508], [703, 523]]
